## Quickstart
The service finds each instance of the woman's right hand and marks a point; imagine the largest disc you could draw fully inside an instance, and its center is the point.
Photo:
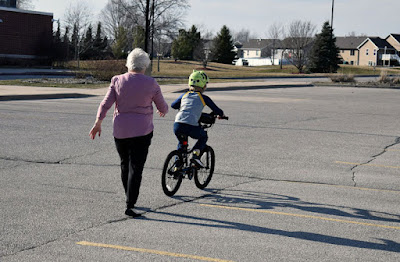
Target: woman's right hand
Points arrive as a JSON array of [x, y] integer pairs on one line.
[[95, 129]]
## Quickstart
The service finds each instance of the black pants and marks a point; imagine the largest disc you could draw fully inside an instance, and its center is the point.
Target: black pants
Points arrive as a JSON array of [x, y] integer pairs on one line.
[[133, 153]]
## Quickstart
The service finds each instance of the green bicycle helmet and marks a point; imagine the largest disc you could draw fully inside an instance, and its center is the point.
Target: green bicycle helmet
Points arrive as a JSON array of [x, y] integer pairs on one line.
[[198, 78]]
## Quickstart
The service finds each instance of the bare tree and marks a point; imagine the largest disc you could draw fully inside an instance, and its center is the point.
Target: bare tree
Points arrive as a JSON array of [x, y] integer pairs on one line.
[[24, 4], [242, 36], [157, 17], [276, 32], [354, 34], [118, 14], [298, 41], [78, 16]]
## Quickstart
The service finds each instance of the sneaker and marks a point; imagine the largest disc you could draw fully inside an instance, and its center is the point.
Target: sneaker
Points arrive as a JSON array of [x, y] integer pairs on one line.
[[196, 159], [130, 212]]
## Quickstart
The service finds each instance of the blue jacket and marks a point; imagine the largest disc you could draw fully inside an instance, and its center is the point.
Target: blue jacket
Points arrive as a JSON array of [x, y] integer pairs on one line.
[[190, 105]]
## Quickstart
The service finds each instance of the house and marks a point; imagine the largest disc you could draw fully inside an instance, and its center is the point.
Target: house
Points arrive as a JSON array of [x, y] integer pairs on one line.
[[372, 51], [26, 36], [261, 52], [348, 48], [394, 40]]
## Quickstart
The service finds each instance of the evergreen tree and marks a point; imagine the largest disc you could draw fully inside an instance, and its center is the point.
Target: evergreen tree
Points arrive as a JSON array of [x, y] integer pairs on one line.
[[66, 43], [74, 43], [99, 46], [185, 45], [119, 47], [324, 56], [138, 37], [87, 44], [222, 51]]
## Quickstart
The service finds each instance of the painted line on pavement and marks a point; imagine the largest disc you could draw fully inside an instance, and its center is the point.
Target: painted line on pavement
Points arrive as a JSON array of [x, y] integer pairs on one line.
[[151, 251], [361, 164], [300, 215]]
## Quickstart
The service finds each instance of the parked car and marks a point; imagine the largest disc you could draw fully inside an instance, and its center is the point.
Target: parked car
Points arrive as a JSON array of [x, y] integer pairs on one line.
[[240, 62]]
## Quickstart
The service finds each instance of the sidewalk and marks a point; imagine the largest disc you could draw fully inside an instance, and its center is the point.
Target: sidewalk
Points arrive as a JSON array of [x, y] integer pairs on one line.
[[8, 92]]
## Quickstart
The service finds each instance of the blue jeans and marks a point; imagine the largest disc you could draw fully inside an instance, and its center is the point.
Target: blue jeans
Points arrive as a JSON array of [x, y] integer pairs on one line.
[[195, 132]]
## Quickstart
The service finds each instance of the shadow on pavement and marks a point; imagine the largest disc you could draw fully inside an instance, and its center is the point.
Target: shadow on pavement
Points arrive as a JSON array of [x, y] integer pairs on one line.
[[266, 201], [43, 96]]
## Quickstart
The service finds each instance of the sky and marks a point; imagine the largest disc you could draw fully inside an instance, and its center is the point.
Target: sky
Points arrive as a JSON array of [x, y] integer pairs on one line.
[[367, 17]]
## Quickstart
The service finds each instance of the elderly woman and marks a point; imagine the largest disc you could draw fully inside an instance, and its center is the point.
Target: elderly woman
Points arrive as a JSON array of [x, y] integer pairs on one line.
[[133, 94]]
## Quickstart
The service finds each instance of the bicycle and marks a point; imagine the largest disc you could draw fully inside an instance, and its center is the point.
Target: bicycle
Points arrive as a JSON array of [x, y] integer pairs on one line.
[[177, 165]]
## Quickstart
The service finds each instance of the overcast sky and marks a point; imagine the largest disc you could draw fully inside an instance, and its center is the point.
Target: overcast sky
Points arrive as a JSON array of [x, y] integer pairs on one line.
[[369, 17]]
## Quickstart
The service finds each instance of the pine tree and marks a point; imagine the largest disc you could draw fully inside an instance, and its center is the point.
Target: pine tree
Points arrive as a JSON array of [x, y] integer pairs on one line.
[[120, 45], [222, 51], [87, 48], [139, 36], [98, 44], [185, 45], [324, 56]]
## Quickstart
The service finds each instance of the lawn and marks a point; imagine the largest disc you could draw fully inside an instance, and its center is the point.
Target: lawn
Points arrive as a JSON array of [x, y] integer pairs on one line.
[[174, 72]]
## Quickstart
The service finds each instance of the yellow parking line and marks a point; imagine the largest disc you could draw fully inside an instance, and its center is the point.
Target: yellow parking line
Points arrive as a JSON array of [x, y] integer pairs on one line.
[[151, 251], [356, 164], [300, 215]]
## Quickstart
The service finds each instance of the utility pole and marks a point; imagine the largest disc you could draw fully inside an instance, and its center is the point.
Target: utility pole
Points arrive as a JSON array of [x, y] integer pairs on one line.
[[147, 27], [147, 33], [333, 4]]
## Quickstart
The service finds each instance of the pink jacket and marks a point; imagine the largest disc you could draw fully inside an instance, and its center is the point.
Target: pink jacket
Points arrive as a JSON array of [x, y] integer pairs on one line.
[[133, 95]]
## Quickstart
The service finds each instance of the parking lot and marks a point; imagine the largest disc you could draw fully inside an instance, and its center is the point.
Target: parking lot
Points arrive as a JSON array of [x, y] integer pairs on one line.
[[303, 173]]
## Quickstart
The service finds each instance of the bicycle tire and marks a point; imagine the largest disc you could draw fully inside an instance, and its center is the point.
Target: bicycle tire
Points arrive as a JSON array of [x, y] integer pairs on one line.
[[171, 180], [203, 176]]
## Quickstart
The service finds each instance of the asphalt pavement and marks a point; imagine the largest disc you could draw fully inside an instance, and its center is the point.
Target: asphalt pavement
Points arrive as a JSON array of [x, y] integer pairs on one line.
[[303, 173]]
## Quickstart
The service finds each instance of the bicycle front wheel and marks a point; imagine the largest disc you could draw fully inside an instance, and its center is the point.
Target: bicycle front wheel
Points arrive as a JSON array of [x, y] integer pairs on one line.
[[171, 178], [203, 176]]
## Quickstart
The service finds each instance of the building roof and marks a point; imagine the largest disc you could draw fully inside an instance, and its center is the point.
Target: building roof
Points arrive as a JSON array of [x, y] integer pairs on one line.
[[261, 43], [378, 42], [16, 10], [349, 42], [395, 36]]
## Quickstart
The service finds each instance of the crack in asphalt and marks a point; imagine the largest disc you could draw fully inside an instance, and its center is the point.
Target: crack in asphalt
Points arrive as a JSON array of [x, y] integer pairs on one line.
[[374, 157]]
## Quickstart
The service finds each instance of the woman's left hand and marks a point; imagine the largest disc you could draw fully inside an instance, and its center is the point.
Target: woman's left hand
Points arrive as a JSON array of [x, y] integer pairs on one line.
[[160, 113]]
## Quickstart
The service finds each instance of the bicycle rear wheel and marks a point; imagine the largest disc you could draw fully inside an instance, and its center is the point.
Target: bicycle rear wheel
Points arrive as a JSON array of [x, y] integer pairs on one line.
[[203, 176], [171, 178]]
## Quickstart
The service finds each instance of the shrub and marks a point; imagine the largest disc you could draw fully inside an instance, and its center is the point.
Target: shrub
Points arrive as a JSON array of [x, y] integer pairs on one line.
[[104, 70], [384, 78], [342, 78]]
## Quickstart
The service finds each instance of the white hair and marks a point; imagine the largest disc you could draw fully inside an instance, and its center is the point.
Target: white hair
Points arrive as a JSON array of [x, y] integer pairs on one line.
[[138, 60]]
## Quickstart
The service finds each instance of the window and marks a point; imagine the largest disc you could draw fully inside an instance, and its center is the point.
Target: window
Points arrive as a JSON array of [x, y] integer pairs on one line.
[[351, 62], [256, 52], [248, 52], [367, 51], [374, 52], [352, 52]]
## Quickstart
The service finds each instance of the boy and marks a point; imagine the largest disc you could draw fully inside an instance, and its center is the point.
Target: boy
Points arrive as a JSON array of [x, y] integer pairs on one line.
[[190, 106]]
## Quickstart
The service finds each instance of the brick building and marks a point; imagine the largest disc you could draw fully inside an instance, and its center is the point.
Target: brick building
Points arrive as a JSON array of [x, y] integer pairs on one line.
[[25, 36]]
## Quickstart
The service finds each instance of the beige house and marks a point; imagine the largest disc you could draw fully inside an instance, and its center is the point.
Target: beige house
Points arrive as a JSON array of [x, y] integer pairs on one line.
[[394, 40], [348, 50], [374, 50]]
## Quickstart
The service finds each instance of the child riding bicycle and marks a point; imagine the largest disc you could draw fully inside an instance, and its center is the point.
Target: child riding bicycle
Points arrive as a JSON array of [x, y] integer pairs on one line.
[[190, 105]]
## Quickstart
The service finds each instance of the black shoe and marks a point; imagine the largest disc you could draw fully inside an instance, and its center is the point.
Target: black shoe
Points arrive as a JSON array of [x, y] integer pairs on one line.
[[131, 213]]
